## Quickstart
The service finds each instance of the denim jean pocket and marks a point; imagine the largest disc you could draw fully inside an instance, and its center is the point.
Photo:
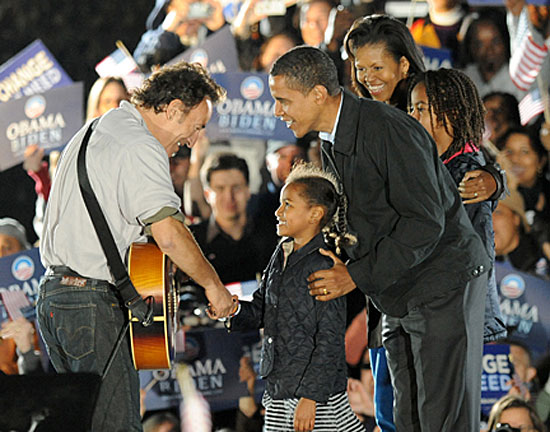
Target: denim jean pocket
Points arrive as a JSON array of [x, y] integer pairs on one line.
[[75, 328]]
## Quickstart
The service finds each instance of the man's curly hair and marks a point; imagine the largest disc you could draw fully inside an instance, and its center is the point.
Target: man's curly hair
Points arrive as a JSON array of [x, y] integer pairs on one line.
[[188, 82]]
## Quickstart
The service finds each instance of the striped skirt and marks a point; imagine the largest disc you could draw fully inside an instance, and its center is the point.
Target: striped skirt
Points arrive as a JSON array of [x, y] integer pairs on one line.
[[334, 416]]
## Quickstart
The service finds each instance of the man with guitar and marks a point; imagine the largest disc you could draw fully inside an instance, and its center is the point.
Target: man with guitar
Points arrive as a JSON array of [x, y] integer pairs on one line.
[[82, 307]]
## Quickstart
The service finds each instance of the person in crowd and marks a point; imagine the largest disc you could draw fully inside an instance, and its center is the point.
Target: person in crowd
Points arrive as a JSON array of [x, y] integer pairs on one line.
[[13, 237], [544, 133], [129, 152], [253, 28], [314, 21], [235, 244], [444, 27], [501, 113], [361, 392], [164, 421], [250, 416], [323, 24], [487, 53], [42, 173], [17, 338], [280, 156], [524, 382], [175, 25], [542, 404], [528, 159], [512, 413], [303, 353], [419, 232], [22, 332], [106, 93], [273, 48], [513, 241], [179, 169]]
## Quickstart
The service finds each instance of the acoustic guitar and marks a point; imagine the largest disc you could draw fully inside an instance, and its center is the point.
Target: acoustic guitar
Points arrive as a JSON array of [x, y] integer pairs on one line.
[[153, 274]]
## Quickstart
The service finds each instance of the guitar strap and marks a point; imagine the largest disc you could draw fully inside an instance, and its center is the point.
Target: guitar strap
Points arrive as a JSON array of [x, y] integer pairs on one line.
[[140, 308]]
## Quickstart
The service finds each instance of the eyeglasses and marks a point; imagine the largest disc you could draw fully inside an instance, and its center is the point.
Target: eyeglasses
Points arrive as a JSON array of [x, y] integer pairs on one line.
[[505, 427]]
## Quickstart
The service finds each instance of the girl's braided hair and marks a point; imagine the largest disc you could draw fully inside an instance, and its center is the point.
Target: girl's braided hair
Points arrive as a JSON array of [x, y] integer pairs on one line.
[[319, 187]]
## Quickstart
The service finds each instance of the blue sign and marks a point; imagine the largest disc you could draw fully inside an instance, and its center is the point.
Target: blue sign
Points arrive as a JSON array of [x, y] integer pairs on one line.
[[247, 112], [34, 70], [218, 53], [48, 120], [21, 272], [495, 376], [525, 305], [213, 357], [436, 58]]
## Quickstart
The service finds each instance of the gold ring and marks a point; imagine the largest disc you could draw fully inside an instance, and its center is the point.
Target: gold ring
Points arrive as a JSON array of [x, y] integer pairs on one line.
[[475, 194], [325, 292]]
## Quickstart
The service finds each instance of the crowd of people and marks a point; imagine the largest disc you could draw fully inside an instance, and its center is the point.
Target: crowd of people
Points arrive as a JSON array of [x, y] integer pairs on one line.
[[373, 234]]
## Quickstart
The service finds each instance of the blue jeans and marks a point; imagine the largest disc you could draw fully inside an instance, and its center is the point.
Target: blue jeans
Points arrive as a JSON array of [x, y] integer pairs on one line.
[[383, 390], [80, 325]]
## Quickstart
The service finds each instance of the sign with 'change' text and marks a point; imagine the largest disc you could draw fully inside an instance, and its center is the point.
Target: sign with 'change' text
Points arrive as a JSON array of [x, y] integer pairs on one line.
[[496, 375], [34, 70], [48, 120]]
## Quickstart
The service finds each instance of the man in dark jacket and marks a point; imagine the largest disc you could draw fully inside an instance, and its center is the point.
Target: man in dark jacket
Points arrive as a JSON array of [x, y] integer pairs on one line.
[[418, 257]]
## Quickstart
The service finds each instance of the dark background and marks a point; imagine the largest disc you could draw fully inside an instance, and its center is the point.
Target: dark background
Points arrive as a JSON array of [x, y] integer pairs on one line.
[[79, 34]]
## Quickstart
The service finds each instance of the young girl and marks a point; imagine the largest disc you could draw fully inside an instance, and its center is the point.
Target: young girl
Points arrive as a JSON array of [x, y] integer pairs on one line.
[[447, 104], [303, 353]]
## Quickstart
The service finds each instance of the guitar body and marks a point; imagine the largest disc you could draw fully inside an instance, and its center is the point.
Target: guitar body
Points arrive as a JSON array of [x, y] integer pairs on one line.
[[150, 270]]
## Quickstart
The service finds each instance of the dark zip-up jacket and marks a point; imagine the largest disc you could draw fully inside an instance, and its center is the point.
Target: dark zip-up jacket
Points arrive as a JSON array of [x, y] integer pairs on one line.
[[481, 216], [303, 350], [415, 239]]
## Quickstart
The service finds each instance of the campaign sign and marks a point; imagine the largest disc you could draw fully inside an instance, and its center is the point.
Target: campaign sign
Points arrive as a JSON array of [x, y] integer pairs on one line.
[[436, 58], [247, 111], [21, 271], [525, 306], [34, 70], [48, 120], [213, 357], [218, 53], [496, 374], [243, 290]]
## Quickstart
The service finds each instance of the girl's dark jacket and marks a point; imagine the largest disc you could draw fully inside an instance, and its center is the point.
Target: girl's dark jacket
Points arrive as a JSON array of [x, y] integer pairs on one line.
[[303, 351], [481, 216]]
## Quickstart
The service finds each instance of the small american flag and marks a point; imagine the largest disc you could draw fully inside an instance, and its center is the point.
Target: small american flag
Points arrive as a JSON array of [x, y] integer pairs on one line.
[[14, 301], [117, 64], [531, 106], [526, 62]]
